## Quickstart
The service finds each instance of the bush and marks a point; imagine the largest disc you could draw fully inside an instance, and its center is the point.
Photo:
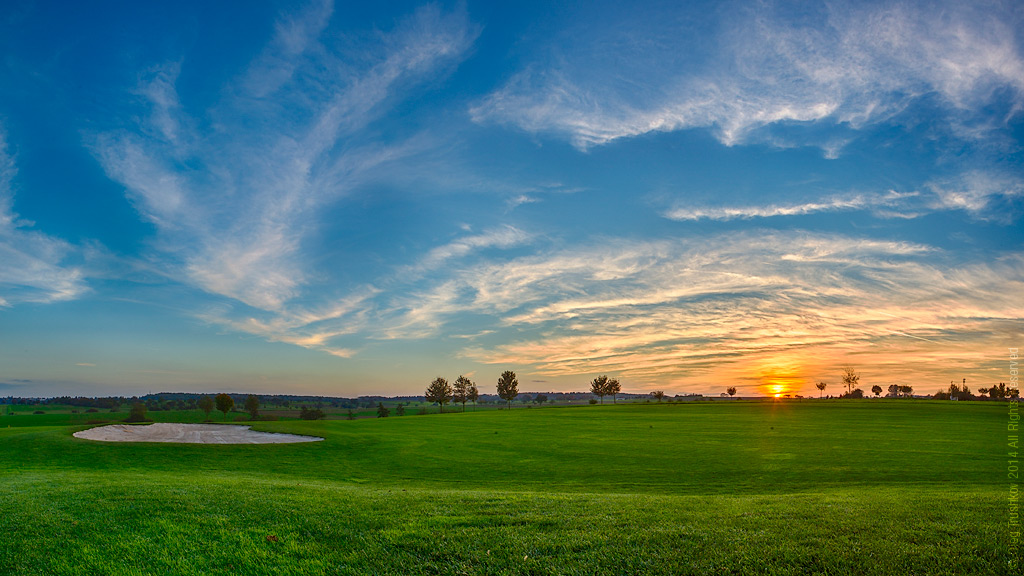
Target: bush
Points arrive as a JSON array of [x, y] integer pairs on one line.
[[39, 412], [311, 414], [91, 411], [593, 401], [137, 413]]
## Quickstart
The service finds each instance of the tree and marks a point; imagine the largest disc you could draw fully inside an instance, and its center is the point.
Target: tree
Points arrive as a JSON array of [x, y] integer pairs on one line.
[[252, 406], [821, 388], [137, 413], [508, 387], [400, 409], [224, 403], [206, 405], [460, 392], [659, 395], [599, 387], [439, 391], [894, 391], [909, 390], [731, 390], [472, 395], [350, 416], [850, 378], [540, 398], [382, 410], [876, 390], [613, 388]]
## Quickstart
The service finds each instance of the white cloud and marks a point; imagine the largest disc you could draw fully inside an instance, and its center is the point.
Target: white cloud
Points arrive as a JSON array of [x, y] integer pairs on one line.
[[32, 264], [891, 200], [854, 64], [976, 192], [235, 200], [683, 310]]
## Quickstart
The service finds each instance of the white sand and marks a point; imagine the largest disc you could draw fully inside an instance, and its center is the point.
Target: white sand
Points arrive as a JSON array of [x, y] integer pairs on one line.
[[189, 434]]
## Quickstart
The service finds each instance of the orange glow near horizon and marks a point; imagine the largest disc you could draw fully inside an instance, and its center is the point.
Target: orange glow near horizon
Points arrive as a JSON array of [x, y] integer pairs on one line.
[[779, 380]]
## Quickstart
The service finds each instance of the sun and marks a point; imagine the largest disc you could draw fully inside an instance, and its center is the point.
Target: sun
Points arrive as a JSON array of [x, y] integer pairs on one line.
[[780, 380]]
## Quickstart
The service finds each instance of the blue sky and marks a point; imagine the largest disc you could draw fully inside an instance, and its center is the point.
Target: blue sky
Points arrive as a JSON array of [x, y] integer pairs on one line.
[[343, 199]]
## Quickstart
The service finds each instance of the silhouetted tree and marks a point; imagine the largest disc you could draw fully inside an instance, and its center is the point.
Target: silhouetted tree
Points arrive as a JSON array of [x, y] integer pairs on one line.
[[821, 388], [731, 390], [876, 390], [439, 391], [614, 388], [206, 405], [224, 403], [659, 395], [460, 392], [850, 378], [400, 410], [472, 394], [1000, 392], [540, 398], [252, 406], [508, 387], [382, 410], [906, 390], [599, 387]]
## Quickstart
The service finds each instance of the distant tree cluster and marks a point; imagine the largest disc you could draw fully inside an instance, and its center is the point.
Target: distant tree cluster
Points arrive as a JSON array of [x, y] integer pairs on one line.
[[308, 413], [441, 392], [604, 386], [899, 391], [1000, 392]]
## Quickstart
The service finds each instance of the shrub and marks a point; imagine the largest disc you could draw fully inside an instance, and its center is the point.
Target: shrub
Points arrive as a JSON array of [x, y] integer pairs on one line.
[[39, 412], [311, 414], [91, 411], [137, 413], [593, 401]]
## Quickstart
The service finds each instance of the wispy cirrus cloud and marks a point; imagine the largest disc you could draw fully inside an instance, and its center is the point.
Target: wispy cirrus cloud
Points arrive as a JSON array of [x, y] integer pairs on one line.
[[723, 307], [983, 195], [885, 202], [851, 65], [33, 265], [235, 190]]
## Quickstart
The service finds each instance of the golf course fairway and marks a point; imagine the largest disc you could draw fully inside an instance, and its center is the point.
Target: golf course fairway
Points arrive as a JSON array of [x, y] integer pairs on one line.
[[814, 487]]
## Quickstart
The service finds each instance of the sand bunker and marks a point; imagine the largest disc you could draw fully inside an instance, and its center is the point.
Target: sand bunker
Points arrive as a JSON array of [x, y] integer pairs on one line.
[[189, 434]]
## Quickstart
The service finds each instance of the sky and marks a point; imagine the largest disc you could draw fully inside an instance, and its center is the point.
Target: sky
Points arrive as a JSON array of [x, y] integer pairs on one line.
[[353, 198]]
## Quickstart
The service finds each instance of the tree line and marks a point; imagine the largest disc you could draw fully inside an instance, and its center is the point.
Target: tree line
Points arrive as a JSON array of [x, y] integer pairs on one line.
[[465, 390]]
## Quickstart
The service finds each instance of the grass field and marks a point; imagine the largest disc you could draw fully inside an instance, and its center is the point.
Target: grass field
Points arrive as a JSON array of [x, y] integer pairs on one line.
[[854, 487]]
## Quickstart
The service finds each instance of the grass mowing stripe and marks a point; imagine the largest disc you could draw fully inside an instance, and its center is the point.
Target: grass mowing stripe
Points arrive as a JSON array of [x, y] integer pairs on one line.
[[157, 524]]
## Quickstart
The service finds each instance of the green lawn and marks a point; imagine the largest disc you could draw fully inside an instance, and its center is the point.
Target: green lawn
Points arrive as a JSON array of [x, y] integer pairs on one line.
[[856, 487]]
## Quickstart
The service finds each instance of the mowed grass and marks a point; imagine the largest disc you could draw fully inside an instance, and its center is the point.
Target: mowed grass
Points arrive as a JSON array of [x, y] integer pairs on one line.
[[873, 487]]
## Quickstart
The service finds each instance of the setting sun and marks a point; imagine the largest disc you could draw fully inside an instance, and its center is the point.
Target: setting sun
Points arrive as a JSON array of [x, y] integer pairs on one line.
[[780, 380]]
